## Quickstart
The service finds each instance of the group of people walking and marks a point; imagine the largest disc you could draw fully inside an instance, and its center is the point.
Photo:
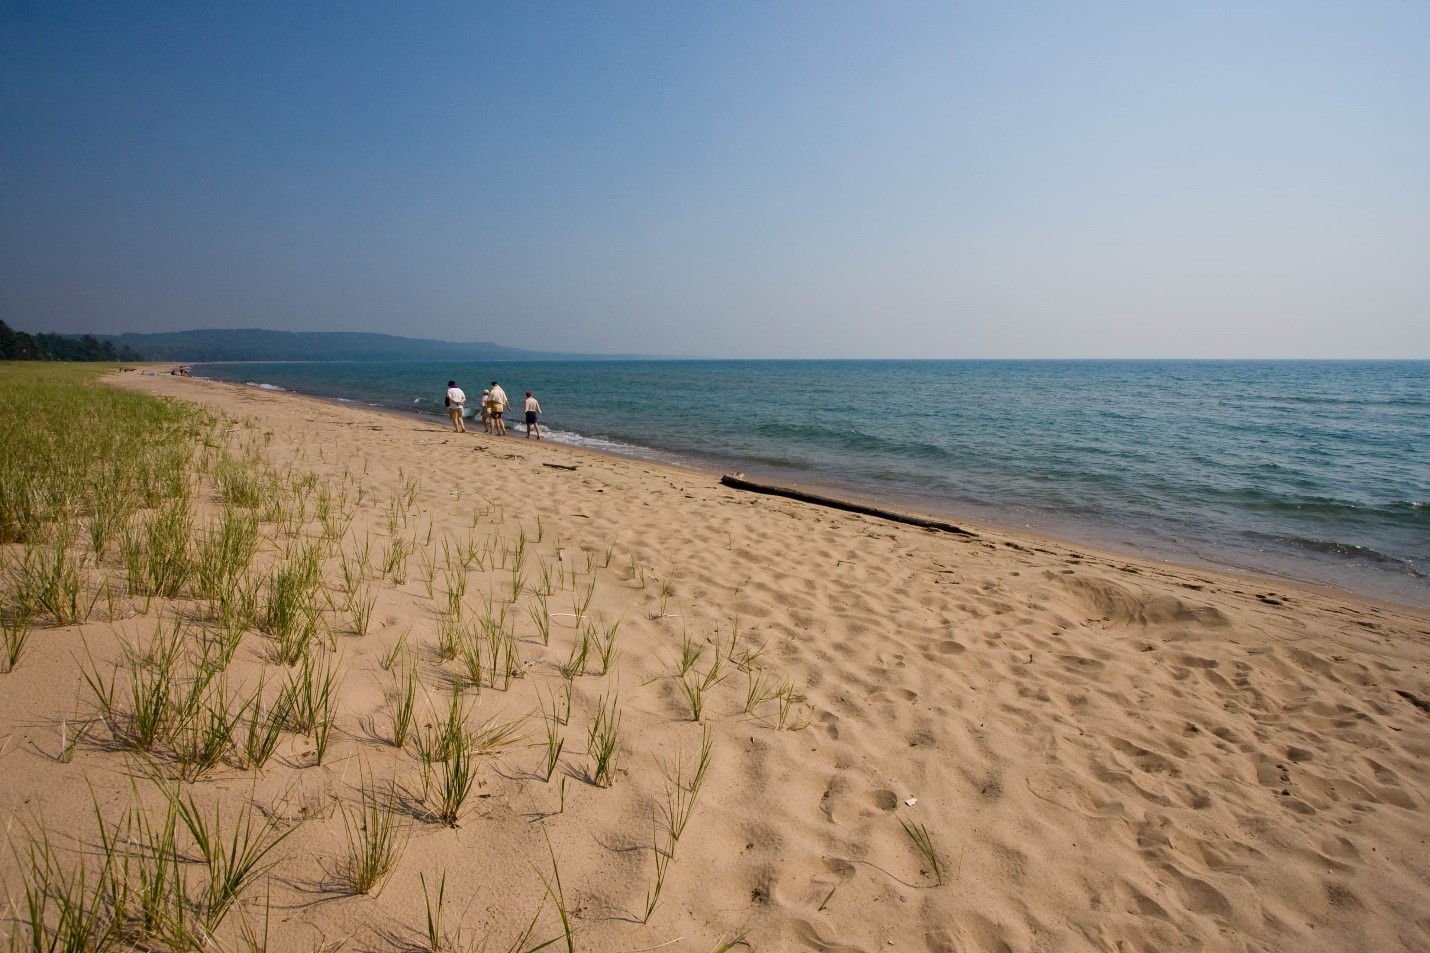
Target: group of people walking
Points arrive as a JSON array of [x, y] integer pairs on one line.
[[492, 408]]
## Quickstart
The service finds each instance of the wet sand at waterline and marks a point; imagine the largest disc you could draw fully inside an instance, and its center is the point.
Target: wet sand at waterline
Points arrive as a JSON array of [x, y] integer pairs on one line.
[[1103, 753]]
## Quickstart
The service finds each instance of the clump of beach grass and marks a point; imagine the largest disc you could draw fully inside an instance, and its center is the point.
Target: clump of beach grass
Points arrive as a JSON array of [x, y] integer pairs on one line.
[[690, 653], [581, 597], [203, 728], [575, 664], [456, 774], [448, 751], [242, 483], [48, 581], [169, 698], [63, 908], [758, 689], [14, 636], [682, 790], [696, 687], [152, 677], [541, 617], [236, 609], [923, 843], [263, 728], [225, 553], [404, 700], [292, 615], [157, 555], [376, 838], [604, 639], [789, 701], [310, 701], [602, 739], [387, 658], [234, 854], [360, 607], [394, 560]]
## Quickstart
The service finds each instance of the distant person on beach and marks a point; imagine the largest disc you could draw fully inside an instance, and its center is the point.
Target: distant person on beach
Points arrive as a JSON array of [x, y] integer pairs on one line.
[[456, 397], [533, 409], [486, 410], [498, 404]]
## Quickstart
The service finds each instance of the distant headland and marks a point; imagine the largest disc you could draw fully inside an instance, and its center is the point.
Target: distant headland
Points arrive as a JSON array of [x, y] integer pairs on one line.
[[259, 344]]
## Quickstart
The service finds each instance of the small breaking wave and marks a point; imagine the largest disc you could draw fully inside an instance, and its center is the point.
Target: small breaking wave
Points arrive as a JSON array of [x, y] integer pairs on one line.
[[264, 386], [601, 444], [1346, 551]]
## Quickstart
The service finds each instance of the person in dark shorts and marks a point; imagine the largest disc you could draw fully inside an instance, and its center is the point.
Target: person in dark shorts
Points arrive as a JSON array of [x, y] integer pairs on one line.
[[533, 411]]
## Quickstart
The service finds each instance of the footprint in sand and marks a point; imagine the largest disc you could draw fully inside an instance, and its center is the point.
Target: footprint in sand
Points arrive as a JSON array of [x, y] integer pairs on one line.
[[884, 800]]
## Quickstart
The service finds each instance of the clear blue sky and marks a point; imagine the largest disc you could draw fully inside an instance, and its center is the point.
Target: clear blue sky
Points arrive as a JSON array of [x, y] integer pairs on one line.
[[743, 179]]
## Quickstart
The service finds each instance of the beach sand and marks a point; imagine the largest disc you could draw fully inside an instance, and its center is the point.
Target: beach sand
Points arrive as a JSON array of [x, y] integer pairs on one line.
[[1106, 753]]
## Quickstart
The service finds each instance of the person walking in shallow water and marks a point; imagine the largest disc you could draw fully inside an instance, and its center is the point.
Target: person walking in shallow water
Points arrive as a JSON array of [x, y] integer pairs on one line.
[[533, 419], [485, 409], [498, 404], [456, 398]]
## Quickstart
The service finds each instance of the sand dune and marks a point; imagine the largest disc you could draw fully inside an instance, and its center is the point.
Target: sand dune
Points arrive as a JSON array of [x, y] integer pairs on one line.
[[1107, 753]]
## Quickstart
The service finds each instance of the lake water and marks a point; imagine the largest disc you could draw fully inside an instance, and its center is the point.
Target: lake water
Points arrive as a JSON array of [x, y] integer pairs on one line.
[[1314, 469]]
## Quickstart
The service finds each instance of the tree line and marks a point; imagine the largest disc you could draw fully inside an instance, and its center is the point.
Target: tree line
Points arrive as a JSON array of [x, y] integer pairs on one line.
[[20, 346]]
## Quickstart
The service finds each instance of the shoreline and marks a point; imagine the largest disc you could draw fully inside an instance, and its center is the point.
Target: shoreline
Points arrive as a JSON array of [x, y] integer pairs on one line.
[[1187, 560], [882, 736]]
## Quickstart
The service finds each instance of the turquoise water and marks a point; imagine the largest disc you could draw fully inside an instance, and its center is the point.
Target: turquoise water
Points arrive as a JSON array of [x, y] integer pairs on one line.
[[1316, 470]]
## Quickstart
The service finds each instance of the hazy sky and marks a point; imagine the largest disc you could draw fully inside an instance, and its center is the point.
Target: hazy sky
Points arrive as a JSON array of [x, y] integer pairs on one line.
[[741, 179]]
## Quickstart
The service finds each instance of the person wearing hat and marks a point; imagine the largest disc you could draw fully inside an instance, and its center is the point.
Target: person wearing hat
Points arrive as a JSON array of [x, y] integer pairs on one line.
[[486, 410], [533, 409], [456, 398]]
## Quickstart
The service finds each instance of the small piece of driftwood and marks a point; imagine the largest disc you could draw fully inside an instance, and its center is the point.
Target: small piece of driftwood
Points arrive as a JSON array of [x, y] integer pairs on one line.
[[847, 506], [559, 466]]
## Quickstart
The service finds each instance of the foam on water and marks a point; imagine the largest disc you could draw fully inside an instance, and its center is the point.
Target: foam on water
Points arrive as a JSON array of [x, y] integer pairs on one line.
[[602, 445]]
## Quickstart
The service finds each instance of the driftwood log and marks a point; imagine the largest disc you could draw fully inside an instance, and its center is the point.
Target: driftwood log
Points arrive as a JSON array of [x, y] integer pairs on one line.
[[847, 506]]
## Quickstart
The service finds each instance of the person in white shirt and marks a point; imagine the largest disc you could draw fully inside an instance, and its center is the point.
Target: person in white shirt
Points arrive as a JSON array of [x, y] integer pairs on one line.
[[484, 408], [533, 409], [498, 403], [456, 398]]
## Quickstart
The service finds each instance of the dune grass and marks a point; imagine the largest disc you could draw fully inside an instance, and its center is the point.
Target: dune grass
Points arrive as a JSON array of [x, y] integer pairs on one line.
[[234, 854], [602, 740], [404, 701], [923, 843], [376, 837], [58, 462], [292, 615], [161, 508], [66, 908], [14, 636]]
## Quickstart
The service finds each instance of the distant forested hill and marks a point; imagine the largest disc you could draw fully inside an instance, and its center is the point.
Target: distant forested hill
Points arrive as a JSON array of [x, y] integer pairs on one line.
[[19, 346], [256, 344]]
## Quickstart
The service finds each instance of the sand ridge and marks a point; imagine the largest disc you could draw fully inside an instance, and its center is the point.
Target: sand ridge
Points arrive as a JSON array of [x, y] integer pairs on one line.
[[1108, 753]]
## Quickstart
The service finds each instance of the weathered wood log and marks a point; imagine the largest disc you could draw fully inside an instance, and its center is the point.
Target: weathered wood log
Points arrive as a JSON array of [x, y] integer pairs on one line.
[[847, 506], [559, 466]]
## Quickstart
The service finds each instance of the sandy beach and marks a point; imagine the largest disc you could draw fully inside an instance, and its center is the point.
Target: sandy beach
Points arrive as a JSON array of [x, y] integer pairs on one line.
[[1097, 752]]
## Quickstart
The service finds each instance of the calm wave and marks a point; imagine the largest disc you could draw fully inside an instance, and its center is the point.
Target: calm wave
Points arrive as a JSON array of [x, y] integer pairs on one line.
[[1318, 470]]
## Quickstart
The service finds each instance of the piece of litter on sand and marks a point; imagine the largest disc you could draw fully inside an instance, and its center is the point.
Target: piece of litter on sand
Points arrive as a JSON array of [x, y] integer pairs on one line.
[[911, 801]]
